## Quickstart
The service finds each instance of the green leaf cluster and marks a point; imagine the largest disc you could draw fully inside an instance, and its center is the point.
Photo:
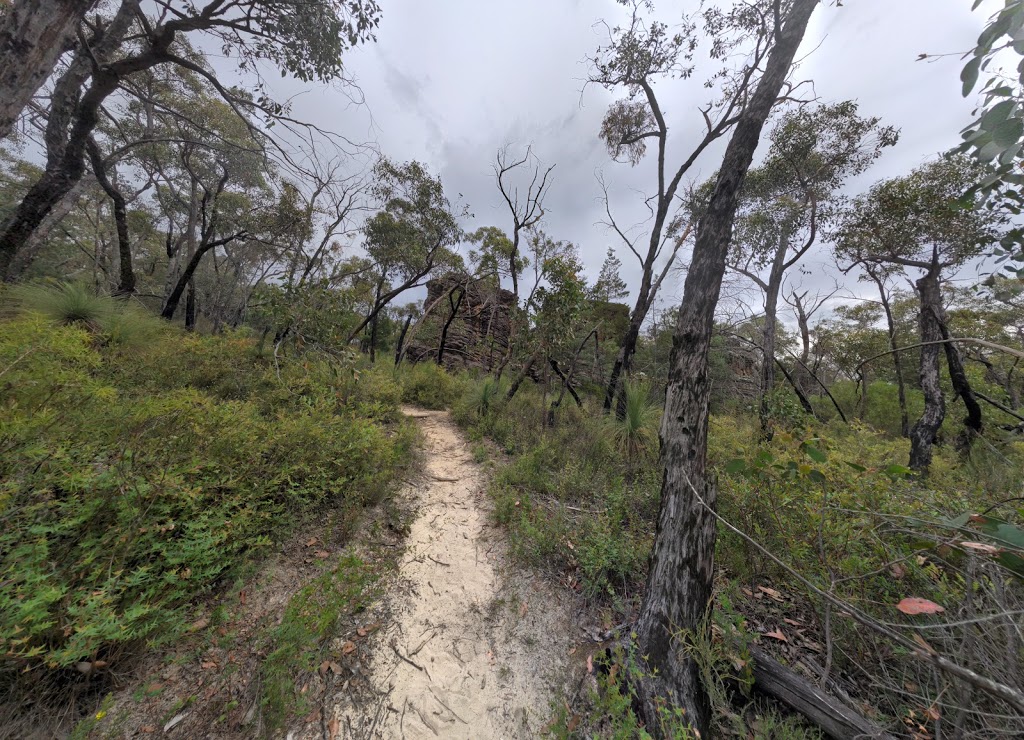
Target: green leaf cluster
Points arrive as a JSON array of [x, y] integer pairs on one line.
[[132, 482]]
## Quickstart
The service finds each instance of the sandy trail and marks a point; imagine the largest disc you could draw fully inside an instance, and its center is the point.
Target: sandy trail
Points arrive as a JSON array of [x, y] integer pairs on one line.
[[471, 648]]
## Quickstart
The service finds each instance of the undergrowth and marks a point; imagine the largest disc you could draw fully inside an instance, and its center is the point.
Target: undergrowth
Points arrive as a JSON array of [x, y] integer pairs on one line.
[[136, 476], [310, 620], [832, 500]]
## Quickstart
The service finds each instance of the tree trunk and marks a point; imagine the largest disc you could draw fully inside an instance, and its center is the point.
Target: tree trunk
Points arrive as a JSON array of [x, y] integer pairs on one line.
[[962, 387], [834, 719], [56, 182], [514, 388], [174, 298], [373, 337], [680, 580], [31, 249], [66, 169], [190, 306], [451, 317], [922, 435], [401, 341], [627, 349], [897, 361], [33, 35], [771, 310], [126, 284], [373, 322], [512, 261]]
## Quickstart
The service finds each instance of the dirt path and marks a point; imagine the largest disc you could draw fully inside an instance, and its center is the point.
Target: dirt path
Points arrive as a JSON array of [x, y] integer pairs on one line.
[[470, 648]]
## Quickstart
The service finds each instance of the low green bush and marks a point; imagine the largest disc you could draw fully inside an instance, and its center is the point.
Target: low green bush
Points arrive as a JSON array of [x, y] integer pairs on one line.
[[132, 482], [428, 386]]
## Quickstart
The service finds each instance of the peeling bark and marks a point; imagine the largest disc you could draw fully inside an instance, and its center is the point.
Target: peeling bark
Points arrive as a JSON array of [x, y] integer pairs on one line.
[[33, 35]]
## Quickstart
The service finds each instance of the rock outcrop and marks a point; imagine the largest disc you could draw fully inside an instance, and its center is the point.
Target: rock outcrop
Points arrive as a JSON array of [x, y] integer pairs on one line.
[[477, 333]]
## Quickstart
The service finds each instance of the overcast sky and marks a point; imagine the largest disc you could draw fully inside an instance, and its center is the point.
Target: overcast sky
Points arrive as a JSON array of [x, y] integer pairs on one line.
[[449, 82]]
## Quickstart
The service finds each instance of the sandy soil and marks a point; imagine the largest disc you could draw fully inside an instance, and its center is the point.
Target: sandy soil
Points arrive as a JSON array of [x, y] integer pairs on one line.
[[470, 648]]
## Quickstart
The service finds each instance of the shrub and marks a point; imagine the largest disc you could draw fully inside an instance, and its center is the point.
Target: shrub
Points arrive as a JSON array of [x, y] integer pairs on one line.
[[131, 484], [111, 321], [635, 435], [429, 386], [65, 304]]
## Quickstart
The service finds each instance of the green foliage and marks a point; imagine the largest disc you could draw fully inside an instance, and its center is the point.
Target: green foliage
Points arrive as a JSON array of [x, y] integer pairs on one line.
[[69, 303], [635, 435], [610, 286], [429, 386], [484, 395], [611, 711], [132, 483], [996, 135], [113, 322], [565, 493], [834, 501]]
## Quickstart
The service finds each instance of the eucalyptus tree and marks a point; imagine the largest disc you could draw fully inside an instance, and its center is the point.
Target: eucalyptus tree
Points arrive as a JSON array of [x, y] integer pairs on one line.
[[33, 35], [882, 278], [680, 580], [554, 305], [204, 167], [414, 234], [785, 201], [920, 222], [303, 38], [639, 57]]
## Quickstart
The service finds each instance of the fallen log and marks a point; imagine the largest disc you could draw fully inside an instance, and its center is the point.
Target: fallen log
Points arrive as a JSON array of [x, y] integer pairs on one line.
[[836, 720]]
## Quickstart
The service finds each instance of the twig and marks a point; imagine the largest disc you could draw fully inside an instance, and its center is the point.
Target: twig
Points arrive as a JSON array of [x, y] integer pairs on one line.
[[417, 666], [439, 562], [420, 646], [1010, 695], [380, 706], [441, 702]]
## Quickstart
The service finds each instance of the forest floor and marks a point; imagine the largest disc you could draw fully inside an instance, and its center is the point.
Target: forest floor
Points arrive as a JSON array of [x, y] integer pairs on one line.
[[453, 640], [471, 647]]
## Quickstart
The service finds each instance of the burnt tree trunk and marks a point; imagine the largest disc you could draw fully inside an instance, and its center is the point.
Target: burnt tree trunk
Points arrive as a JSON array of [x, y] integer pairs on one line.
[[33, 35], [126, 283], [454, 306], [681, 575], [514, 388], [922, 434], [624, 360], [174, 298], [401, 340], [962, 387]]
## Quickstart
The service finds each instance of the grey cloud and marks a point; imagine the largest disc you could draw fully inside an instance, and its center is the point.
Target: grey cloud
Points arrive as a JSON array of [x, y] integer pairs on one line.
[[450, 83]]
